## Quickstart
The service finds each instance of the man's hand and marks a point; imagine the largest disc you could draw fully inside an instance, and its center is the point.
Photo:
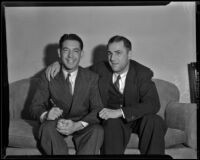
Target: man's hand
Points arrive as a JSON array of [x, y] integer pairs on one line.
[[107, 113], [54, 113], [52, 70], [67, 127]]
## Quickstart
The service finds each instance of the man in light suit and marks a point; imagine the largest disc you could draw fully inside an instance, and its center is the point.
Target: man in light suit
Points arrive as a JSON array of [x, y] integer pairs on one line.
[[69, 104], [130, 98]]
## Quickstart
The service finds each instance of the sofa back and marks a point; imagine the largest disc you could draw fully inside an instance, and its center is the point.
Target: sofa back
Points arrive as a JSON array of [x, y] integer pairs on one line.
[[167, 93], [21, 93], [20, 96]]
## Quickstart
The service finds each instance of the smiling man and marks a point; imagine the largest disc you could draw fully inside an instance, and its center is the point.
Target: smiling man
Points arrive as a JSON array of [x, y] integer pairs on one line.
[[69, 104], [130, 99]]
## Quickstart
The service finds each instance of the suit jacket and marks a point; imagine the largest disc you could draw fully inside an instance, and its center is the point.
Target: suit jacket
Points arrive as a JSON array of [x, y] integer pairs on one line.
[[86, 98], [140, 93]]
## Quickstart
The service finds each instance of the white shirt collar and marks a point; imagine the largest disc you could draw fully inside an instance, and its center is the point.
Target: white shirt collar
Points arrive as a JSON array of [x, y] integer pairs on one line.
[[121, 75], [73, 74], [122, 81]]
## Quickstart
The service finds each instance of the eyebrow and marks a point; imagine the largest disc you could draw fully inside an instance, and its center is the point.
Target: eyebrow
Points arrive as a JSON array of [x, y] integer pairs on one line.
[[114, 51], [117, 51], [77, 49], [73, 48]]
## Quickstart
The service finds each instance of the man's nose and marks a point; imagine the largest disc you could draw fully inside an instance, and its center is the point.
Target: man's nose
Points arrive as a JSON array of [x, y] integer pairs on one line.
[[112, 57], [70, 54]]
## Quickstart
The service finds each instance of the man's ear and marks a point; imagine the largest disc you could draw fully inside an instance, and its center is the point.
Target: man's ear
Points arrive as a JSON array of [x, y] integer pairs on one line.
[[82, 52], [130, 54], [59, 54]]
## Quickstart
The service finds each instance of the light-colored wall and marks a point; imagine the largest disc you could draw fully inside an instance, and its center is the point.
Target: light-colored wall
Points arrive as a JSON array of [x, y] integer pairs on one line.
[[163, 37]]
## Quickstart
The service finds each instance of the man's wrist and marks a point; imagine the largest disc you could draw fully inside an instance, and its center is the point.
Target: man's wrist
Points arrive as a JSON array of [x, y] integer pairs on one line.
[[43, 117], [121, 113], [84, 124], [78, 126]]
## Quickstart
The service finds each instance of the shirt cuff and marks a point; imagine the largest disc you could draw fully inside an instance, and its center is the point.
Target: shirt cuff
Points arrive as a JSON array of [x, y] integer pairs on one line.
[[42, 116], [122, 113], [85, 124]]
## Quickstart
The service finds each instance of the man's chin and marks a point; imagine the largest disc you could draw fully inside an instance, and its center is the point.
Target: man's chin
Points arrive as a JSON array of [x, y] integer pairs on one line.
[[70, 67], [115, 69]]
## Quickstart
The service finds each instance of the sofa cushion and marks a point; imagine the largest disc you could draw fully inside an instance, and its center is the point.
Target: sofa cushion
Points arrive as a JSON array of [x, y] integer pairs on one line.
[[133, 141], [23, 134], [172, 137], [29, 152], [176, 152], [181, 152]]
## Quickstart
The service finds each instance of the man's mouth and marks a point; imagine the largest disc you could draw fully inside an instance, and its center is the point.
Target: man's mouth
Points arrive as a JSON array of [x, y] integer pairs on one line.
[[114, 64], [70, 61]]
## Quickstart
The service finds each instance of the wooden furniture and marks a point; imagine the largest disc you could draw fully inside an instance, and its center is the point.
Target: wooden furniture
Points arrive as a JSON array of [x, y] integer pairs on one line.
[[193, 72]]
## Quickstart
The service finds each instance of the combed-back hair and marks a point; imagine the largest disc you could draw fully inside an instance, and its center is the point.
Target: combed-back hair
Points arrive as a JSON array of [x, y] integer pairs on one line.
[[118, 38], [70, 37]]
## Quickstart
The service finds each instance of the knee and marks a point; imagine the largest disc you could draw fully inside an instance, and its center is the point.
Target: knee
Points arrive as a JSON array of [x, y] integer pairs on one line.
[[48, 127], [98, 130], [153, 119], [111, 123], [156, 121]]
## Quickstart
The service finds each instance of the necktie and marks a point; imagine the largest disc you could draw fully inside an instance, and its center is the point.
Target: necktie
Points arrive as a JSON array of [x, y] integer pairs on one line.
[[69, 83], [116, 84]]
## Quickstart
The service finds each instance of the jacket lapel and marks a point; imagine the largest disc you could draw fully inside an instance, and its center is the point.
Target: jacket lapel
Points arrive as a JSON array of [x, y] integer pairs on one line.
[[130, 90], [60, 91], [104, 86], [105, 77], [81, 86]]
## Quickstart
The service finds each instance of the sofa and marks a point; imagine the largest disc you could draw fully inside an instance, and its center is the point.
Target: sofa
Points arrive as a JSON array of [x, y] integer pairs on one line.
[[181, 119]]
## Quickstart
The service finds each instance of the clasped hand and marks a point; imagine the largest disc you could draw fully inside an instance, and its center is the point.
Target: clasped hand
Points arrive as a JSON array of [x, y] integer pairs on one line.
[[65, 127], [107, 113], [54, 113]]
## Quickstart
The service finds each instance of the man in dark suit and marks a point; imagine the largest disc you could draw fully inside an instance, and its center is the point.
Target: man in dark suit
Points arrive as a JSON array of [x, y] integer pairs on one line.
[[130, 98], [69, 104]]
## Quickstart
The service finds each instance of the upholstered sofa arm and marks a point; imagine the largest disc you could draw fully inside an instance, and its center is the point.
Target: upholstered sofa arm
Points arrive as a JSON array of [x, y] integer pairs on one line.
[[183, 116]]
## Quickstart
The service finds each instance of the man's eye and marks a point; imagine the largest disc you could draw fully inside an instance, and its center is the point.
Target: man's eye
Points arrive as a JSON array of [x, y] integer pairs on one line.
[[118, 53], [65, 50], [109, 53]]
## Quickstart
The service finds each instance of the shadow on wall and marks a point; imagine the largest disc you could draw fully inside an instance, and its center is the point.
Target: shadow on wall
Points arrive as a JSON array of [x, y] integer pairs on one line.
[[50, 54], [99, 54]]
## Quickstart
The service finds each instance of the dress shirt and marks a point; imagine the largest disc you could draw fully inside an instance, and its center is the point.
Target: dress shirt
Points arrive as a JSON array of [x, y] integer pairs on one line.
[[72, 78], [122, 80], [122, 83]]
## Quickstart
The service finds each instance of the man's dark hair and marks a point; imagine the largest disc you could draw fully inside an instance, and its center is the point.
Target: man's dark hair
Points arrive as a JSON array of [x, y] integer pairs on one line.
[[70, 37], [118, 38]]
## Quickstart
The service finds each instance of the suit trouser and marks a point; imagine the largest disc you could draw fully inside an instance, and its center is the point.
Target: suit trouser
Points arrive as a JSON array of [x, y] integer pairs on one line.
[[86, 141], [151, 130]]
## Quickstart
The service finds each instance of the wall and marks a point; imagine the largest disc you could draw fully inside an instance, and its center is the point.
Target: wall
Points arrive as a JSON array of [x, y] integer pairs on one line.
[[163, 37]]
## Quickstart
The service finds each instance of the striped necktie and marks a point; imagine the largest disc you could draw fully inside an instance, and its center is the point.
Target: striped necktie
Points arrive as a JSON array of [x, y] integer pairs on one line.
[[116, 84], [69, 83]]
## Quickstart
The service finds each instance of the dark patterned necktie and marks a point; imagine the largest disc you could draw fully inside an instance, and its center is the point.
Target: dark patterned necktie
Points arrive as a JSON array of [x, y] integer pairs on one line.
[[69, 83], [116, 84]]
